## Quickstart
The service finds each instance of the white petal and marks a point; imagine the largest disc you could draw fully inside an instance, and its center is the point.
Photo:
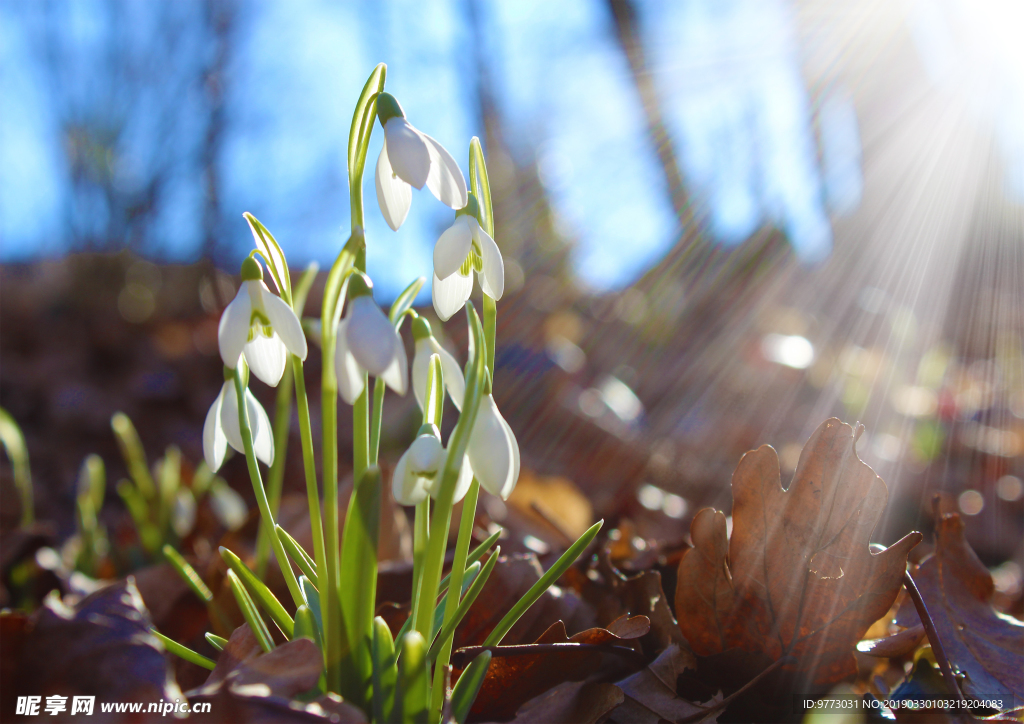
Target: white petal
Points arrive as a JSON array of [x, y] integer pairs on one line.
[[348, 372], [396, 376], [215, 443], [453, 247], [421, 370], [371, 337], [394, 196], [233, 331], [407, 488], [492, 277], [452, 372], [266, 358], [510, 483], [445, 180], [229, 417], [450, 294], [426, 455], [407, 151], [490, 451], [285, 324], [464, 480], [262, 432]]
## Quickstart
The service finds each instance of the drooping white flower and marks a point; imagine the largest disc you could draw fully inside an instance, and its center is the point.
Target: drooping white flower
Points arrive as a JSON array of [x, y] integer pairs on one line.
[[493, 451], [425, 346], [463, 248], [261, 326], [222, 428], [412, 158], [367, 342], [420, 469]]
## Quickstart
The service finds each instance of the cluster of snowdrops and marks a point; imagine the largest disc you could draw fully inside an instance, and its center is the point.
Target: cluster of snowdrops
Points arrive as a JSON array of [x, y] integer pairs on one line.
[[406, 676]]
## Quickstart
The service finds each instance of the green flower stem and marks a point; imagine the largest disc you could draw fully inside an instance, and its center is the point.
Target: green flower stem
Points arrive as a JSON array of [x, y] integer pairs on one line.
[[275, 478], [537, 589], [420, 535], [183, 651], [309, 466], [261, 494], [375, 420], [440, 520], [454, 590]]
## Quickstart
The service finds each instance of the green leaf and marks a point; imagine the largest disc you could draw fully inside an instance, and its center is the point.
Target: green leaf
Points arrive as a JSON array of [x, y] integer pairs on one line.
[[468, 577], [312, 599], [14, 443], [411, 689], [476, 582], [295, 551], [138, 508], [217, 642], [183, 651], [537, 589], [249, 612], [259, 592], [385, 671], [187, 572], [468, 686], [271, 251], [480, 184], [303, 287], [169, 479], [403, 303], [306, 626], [362, 121], [92, 481], [133, 454]]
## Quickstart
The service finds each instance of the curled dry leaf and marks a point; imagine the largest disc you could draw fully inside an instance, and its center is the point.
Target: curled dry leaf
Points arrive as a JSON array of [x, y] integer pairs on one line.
[[986, 646], [650, 694], [513, 680], [797, 577], [572, 702]]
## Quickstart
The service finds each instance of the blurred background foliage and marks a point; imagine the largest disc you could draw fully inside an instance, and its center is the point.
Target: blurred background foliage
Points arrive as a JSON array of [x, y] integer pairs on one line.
[[722, 222]]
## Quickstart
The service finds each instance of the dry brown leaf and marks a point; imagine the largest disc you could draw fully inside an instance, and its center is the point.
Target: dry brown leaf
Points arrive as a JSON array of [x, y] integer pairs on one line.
[[988, 647], [572, 702], [797, 577], [898, 645], [513, 680], [650, 694]]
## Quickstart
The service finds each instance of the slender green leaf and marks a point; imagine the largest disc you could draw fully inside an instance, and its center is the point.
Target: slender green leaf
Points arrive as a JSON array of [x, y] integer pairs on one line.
[[312, 598], [92, 481], [295, 551], [271, 251], [169, 479], [149, 535], [476, 583], [217, 642], [183, 651], [537, 589], [14, 443], [468, 686], [385, 671], [411, 689], [259, 592], [249, 612], [134, 455], [306, 626], [404, 301], [187, 572], [303, 287]]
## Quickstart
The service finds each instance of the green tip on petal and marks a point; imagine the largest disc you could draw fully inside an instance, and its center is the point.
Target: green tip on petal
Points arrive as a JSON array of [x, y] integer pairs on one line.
[[388, 108], [472, 208], [421, 329], [429, 429], [359, 285], [251, 270]]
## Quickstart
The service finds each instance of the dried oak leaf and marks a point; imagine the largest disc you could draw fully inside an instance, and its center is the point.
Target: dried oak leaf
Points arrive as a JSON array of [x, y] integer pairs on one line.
[[988, 647], [650, 694], [571, 702], [797, 577], [512, 681]]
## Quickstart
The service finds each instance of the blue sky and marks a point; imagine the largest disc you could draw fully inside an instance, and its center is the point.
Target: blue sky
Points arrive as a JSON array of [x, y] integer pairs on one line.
[[729, 73]]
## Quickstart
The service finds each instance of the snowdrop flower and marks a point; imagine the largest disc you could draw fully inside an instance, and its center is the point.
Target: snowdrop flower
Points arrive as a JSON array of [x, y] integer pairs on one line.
[[420, 469], [261, 326], [463, 248], [367, 342], [412, 158], [222, 428], [425, 346], [493, 451]]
